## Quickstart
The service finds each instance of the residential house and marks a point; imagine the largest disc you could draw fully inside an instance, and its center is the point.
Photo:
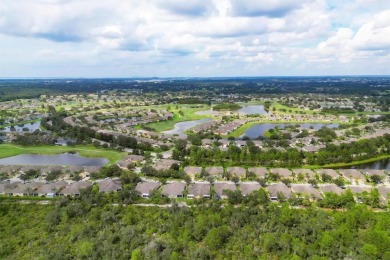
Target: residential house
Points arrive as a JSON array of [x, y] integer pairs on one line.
[[133, 158], [165, 164], [306, 173], [384, 192], [278, 188], [74, 188], [282, 172], [236, 171], [199, 190], [110, 185], [220, 187], [357, 191], [248, 187], [51, 189], [260, 172], [214, 171], [332, 173], [146, 188], [173, 189], [192, 171], [306, 189], [331, 188], [352, 174], [371, 172]]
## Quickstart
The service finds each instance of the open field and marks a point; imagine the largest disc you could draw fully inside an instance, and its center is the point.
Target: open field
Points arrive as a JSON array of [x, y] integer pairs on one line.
[[293, 110], [188, 115], [7, 150]]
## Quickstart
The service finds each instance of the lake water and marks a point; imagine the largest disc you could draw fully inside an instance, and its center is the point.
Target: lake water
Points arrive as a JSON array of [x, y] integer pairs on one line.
[[252, 109], [19, 128], [259, 129], [180, 127], [64, 159], [377, 165]]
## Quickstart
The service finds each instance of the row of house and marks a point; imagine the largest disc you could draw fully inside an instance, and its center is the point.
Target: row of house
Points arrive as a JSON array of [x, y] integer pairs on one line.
[[275, 191], [307, 174], [205, 126], [229, 127], [62, 188]]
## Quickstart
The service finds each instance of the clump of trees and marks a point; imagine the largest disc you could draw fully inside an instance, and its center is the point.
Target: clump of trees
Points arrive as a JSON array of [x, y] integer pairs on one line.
[[226, 106]]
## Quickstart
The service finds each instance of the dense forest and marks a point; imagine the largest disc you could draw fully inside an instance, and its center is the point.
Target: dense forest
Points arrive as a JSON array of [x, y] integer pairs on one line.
[[82, 229]]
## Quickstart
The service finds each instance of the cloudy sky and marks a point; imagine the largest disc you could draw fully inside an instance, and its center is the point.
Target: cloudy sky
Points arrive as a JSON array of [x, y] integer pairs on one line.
[[171, 38]]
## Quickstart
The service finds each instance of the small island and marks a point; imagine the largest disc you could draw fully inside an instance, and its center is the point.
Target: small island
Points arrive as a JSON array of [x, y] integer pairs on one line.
[[226, 106]]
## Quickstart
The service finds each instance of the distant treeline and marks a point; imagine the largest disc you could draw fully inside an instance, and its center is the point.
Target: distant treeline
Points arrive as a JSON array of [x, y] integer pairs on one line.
[[28, 88]]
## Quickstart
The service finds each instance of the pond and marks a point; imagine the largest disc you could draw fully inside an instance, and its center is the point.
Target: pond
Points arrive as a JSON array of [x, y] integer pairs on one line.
[[252, 110], [64, 159], [377, 165], [19, 128], [259, 129], [180, 127]]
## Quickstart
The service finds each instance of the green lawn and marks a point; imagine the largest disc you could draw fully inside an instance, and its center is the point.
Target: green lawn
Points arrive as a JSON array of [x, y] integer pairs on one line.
[[7, 150], [293, 110], [188, 115]]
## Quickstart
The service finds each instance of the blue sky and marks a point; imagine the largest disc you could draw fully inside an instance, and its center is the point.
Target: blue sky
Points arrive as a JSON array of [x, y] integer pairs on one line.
[[193, 38]]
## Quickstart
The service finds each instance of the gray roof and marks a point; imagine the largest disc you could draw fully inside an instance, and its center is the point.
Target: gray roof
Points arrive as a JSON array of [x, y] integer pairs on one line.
[[352, 173], [305, 172], [22, 187], [358, 189], [238, 171], [133, 158], [214, 170], [221, 186], [165, 164], [147, 187], [92, 169], [273, 190], [50, 187], [306, 189], [248, 188], [192, 170], [110, 185], [173, 189], [51, 168], [75, 187], [199, 189], [12, 187], [258, 171], [332, 173], [331, 188], [283, 172], [370, 172], [384, 192], [2, 186], [9, 168]]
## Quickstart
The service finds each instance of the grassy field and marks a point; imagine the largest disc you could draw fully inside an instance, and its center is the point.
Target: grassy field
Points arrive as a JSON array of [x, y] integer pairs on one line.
[[188, 115], [7, 150], [293, 110]]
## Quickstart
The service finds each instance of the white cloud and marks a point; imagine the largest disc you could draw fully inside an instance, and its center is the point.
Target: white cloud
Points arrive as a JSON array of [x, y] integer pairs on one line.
[[168, 37]]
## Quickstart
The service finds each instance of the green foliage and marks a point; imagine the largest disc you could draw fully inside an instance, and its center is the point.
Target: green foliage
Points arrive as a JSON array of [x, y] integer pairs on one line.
[[226, 106], [75, 229]]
